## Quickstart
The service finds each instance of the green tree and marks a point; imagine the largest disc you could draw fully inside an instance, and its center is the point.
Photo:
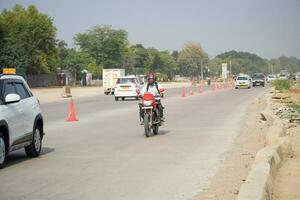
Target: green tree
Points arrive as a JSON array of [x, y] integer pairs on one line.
[[95, 69], [28, 40], [191, 57], [106, 45], [241, 62], [76, 61]]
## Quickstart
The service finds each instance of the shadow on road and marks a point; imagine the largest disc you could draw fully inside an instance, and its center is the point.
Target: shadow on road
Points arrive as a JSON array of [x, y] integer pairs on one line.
[[163, 132], [20, 156]]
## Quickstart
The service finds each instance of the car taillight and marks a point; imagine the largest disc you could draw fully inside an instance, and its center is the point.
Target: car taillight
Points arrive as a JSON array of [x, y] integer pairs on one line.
[[133, 81], [118, 81]]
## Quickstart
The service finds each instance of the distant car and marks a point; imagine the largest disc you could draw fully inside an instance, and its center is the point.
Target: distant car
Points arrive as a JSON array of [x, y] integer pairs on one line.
[[21, 121], [292, 77], [243, 81], [127, 87], [283, 76], [258, 79], [271, 77]]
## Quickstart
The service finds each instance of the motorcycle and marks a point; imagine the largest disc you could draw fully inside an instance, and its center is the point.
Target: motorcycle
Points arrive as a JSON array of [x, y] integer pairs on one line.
[[151, 115]]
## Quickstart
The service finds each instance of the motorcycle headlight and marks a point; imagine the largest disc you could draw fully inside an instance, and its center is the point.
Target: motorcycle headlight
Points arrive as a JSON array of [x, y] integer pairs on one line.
[[147, 103]]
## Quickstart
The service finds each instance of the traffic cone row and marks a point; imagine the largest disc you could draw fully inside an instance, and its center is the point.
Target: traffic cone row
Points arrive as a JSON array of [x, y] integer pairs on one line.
[[191, 91], [222, 86]]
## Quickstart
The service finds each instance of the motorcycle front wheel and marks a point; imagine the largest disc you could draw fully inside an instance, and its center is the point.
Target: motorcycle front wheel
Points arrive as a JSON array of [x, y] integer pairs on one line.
[[147, 125], [155, 129]]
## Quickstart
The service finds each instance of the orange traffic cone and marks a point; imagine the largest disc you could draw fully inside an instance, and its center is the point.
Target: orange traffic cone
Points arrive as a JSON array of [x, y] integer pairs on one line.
[[200, 88], [191, 91], [72, 116], [183, 92], [213, 87]]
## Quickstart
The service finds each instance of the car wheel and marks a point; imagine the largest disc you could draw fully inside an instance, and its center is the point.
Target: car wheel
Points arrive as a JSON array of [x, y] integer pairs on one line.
[[236, 88], [106, 93], [123, 98], [116, 98], [34, 149], [2, 151]]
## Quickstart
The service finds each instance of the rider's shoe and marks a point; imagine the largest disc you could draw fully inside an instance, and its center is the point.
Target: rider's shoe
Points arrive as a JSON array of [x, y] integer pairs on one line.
[[142, 123]]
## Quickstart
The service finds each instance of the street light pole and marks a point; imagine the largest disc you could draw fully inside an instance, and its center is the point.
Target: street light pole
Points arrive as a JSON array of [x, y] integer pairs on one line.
[[230, 66], [201, 70]]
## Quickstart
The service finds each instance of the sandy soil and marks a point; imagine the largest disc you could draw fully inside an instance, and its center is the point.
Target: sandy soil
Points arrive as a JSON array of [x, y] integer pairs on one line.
[[237, 162], [287, 181]]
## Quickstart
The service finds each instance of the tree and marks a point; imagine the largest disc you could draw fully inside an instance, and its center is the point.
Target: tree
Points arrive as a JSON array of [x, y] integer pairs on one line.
[[168, 65], [191, 57], [106, 45], [241, 62], [27, 40], [76, 61]]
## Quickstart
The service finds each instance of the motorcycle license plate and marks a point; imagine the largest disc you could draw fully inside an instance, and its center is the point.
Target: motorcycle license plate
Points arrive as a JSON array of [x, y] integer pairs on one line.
[[149, 107]]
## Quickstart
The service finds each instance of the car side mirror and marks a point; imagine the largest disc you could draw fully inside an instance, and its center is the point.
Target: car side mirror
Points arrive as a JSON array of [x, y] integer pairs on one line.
[[12, 98]]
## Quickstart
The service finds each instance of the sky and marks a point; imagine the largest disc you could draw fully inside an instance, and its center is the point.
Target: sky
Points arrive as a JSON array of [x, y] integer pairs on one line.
[[268, 28]]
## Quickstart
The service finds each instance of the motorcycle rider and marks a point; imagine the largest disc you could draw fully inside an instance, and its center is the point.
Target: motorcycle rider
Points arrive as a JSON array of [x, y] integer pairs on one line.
[[154, 88]]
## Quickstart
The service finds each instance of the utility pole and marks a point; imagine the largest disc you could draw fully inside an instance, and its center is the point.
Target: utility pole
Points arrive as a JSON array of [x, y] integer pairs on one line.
[[201, 70], [230, 67]]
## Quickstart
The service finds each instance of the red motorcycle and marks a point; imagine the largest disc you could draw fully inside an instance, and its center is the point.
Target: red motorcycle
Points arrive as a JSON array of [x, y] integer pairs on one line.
[[150, 113]]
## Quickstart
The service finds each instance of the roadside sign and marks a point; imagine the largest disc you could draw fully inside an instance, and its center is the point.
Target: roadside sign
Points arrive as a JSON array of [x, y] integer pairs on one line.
[[224, 70]]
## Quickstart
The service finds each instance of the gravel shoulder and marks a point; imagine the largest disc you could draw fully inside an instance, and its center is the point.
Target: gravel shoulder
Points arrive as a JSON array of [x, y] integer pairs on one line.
[[236, 162]]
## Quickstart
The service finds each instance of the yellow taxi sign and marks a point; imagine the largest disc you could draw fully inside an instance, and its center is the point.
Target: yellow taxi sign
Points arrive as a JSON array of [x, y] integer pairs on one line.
[[9, 71]]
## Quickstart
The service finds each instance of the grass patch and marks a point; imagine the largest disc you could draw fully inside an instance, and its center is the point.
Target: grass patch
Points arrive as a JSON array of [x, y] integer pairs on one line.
[[295, 106], [283, 85]]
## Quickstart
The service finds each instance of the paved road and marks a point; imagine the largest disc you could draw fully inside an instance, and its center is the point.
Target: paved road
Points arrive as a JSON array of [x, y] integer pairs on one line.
[[106, 156]]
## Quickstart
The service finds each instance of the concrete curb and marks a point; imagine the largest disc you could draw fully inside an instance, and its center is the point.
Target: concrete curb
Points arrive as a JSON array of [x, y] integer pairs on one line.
[[259, 182]]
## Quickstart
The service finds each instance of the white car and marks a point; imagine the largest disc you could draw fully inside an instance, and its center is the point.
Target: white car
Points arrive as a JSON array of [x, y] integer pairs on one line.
[[271, 77], [21, 121], [127, 87], [243, 82], [283, 77]]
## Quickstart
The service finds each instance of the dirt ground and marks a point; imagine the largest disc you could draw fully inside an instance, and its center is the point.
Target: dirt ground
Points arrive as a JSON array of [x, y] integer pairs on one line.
[[237, 161], [287, 181]]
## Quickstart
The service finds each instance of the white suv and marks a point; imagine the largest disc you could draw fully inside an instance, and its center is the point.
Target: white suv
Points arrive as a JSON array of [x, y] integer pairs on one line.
[[21, 121]]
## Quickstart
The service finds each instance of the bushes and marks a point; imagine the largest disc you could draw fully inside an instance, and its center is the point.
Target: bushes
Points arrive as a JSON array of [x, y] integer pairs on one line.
[[282, 85]]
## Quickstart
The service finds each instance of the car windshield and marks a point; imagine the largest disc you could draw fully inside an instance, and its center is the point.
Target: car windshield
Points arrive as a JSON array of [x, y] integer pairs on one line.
[[258, 76], [282, 75], [242, 78], [126, 80], [271, 76]]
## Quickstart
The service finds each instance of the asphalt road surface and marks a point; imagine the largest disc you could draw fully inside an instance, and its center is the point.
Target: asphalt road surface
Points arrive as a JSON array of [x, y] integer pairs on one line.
[[105, 155]]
